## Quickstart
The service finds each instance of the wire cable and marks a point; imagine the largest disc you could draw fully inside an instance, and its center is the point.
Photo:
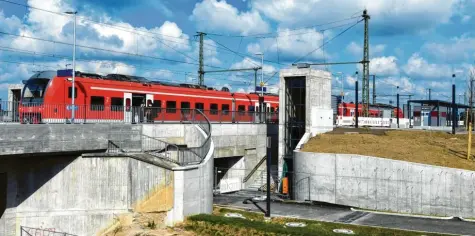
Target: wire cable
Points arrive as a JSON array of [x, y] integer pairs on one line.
[[103, 49]]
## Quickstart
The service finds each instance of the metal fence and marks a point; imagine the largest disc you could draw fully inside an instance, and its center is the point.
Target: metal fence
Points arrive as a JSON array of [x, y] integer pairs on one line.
[[165, 150], [27, 231], [35, 113]]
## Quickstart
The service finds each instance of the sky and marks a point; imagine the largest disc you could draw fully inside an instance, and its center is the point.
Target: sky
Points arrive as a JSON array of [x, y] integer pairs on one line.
[[414, 44]]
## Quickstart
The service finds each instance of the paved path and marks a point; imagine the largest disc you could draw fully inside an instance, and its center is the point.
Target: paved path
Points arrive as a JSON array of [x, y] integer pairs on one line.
[[340, 214]]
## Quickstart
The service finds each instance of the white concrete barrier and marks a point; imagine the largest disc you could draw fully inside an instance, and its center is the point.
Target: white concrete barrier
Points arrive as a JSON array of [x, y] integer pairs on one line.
[[384, 184]]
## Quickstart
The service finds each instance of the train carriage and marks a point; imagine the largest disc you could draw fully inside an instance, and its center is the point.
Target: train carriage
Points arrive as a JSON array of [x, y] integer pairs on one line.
[[48, 95]]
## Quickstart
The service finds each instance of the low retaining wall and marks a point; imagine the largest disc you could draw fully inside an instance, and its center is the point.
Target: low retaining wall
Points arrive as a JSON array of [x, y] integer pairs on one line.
[[81, 195], [384, 184]]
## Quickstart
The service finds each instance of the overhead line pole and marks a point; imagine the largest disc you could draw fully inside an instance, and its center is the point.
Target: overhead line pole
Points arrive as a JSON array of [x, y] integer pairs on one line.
[[201, 60], [365, 93]]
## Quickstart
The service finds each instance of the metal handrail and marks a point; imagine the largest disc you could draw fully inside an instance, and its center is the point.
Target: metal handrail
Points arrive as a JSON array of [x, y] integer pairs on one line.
[[164, 147], [28, 231], [254, 169], [184, 156]]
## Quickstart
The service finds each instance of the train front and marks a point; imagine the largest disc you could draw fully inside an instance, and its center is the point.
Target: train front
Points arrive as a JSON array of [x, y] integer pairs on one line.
[[31, 106]]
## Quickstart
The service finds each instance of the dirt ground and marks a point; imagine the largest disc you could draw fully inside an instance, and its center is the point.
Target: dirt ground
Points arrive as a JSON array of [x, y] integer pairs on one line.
[[144, 224], [427, 147]]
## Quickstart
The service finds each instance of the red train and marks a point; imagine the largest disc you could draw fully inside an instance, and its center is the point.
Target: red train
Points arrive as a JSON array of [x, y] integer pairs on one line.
[[348, 110], [47, 98]]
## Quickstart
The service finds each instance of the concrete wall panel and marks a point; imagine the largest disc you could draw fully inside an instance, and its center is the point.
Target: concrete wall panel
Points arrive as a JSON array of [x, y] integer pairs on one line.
[[81, 195], [384, 184]]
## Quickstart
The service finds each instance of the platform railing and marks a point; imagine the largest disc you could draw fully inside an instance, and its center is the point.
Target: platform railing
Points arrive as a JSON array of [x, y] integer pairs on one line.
[[37, 113]]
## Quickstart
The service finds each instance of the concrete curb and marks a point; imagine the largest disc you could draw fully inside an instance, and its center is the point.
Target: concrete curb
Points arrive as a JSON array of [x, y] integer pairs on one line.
[[466, 220], [295, 217], [406, 215], [233, 207]]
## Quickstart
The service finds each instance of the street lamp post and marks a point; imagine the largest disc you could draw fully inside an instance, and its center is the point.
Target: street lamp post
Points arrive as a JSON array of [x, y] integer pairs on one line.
[[73, 94]]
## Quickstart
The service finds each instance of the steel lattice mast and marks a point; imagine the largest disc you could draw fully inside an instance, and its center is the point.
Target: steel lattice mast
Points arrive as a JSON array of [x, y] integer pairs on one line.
[[365, 93]]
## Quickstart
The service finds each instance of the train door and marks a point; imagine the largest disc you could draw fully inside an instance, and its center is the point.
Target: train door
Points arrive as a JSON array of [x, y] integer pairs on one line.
[[233, 110], [128, 107], [257, 113], [149, 100], [267, 111], [148, 108]]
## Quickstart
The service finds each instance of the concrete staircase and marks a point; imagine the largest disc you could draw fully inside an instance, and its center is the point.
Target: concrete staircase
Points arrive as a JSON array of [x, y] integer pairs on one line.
[[260, 181]]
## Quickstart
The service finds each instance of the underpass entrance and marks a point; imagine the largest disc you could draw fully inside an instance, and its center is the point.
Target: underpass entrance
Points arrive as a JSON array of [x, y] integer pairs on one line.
[[3, 193], [294, 121]]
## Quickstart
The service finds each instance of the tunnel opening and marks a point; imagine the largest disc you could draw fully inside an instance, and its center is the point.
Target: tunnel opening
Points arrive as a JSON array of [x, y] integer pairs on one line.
[[294, 121], [224, 167], [3, 193]]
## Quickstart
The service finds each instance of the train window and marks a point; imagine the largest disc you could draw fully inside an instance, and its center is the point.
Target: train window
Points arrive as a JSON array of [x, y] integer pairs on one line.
[[213, 107], [185, 107], [241, 109], [225, 109], [97, 103], [117, 104], [171, 107], [272, 109], [127, 104], [251, 108], [157, 105], [200, 106], [70, 92]]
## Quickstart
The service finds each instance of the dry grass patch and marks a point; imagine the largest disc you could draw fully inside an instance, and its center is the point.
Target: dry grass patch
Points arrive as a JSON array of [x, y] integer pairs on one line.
[[426, 147]]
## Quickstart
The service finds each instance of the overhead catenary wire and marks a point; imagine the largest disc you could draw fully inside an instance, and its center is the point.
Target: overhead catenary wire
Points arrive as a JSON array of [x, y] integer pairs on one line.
[[325, 43], [122, 28], [262, 35], [116, 65], [321, 46], [104, 49]]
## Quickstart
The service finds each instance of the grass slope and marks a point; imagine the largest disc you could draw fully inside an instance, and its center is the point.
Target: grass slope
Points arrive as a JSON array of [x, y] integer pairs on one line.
[[254, 224], [432, 148]]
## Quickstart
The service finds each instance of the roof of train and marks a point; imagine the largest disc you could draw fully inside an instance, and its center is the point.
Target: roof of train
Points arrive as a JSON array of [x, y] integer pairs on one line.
[[143, 81]]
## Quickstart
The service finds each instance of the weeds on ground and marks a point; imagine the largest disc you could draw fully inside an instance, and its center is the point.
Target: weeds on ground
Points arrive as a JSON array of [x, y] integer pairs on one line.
[[151, 225]]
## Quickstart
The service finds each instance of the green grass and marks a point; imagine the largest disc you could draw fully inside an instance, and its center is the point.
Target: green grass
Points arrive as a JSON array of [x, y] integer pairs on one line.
[[254, 224]]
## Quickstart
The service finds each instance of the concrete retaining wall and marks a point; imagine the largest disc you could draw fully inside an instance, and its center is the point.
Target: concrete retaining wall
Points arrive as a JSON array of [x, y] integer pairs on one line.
[[193, 188], [384, 184], [81, 195]]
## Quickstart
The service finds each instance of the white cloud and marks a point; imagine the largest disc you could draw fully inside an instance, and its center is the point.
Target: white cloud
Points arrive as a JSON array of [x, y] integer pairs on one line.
[[384, 66], [460, 48], [210, 52], [466, 19], [291, 45], [357, 50], [391, 16], [350, 80], [221, 16], [159, 74], [9, 24], [419, 67], [157, 41], [251, 63], [391, 83]]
